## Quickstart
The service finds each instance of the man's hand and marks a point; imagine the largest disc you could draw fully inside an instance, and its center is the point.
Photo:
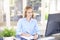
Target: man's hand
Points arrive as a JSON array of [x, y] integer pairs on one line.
[[26, 35], [35, 36]]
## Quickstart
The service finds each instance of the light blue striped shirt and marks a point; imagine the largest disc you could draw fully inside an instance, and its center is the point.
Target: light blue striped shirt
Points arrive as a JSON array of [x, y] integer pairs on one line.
[[31, 27]]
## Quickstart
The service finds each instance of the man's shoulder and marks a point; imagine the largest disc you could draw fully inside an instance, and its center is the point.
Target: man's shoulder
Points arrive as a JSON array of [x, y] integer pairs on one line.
[[21, 19], [34, 20]]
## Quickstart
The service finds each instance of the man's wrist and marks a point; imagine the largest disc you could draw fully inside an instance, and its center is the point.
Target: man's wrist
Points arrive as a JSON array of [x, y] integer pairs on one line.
[[35, 36]]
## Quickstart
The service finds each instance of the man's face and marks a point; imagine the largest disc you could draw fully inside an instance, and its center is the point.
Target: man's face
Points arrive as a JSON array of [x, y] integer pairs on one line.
[[29, 13]]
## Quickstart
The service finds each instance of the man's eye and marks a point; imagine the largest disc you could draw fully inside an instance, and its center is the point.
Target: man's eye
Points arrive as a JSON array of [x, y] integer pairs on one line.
[[29, 12]]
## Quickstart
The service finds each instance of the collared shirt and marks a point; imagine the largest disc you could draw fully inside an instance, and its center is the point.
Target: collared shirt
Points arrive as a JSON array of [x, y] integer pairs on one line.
[[30, 27]]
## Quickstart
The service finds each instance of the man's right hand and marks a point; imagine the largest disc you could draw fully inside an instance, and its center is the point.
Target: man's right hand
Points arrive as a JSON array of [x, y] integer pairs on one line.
[[25, 34]]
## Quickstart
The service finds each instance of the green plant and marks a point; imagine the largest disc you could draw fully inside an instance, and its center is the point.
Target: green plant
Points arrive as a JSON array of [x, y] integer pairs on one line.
[[1, 35], [8, 32], [46, 16]]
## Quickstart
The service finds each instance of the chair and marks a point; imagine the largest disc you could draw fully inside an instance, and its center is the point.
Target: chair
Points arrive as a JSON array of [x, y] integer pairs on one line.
[[53, 24]]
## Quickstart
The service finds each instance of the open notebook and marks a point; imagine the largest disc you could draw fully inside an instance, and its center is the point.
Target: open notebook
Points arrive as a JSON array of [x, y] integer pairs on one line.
[[28, 38]]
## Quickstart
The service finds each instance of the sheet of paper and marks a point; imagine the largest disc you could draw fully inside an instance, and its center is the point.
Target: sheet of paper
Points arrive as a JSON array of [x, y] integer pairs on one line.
[[28, 38]]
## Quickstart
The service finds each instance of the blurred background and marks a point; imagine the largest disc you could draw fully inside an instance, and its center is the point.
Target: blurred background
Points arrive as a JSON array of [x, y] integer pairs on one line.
[[12, 10]]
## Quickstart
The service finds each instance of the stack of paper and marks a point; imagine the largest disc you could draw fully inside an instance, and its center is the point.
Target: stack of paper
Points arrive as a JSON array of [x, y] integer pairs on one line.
[[28, 38]]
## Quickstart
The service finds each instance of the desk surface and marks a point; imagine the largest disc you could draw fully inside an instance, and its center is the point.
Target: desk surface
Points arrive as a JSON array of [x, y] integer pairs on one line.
[[48, 38], [54, 37]]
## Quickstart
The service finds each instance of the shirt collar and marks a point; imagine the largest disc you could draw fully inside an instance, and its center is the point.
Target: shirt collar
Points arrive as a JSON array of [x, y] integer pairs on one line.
[[30, 20]]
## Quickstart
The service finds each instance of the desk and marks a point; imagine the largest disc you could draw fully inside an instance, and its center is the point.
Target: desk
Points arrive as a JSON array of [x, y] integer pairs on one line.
[[53, 37], [48, 38]]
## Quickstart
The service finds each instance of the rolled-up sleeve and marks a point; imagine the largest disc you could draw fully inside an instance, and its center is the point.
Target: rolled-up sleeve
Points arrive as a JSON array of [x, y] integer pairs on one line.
[[19, 28], [37, 28]]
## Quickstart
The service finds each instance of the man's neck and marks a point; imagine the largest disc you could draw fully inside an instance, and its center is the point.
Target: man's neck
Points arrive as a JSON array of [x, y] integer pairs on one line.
[[28, 18]]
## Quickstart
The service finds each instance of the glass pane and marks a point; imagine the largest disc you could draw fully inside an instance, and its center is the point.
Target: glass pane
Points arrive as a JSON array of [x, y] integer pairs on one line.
[[36, 5], [15, 11], [2, 14], [17, 8]]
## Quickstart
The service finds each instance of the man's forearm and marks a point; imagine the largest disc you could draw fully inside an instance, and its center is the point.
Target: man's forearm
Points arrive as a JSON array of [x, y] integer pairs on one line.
[[24, 34], [35, 36]]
